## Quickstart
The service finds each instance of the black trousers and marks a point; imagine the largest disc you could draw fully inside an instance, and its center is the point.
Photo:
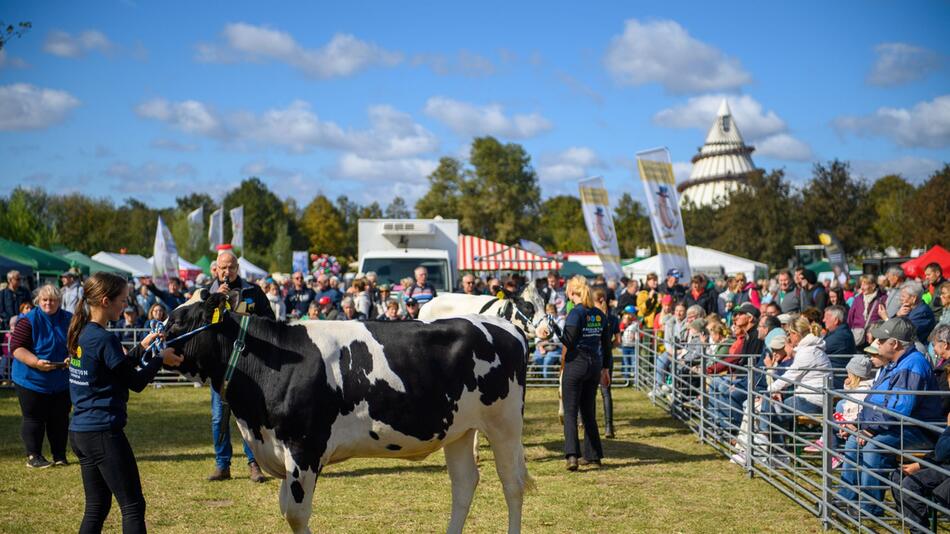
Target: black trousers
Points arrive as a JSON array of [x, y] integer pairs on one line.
[[44, 413], [928, 483], [579, 390], [108, 468]]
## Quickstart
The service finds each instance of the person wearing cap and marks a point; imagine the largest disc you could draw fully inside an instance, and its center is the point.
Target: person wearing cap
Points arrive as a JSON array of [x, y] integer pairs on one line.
[[672, 286], [412, 308], [130, 321], [71, 290], [747, 344], [813, 294], [906, 370], [699, 295], [299, 296], [323, 309]]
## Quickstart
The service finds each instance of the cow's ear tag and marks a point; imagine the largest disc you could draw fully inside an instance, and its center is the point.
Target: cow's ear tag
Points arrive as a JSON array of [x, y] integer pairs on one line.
[[501, 295], [216, 318], [227, 305]]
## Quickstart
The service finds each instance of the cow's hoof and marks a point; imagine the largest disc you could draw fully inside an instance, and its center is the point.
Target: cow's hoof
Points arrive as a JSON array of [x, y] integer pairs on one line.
[[255, 473], [571, 463], [220, 474]]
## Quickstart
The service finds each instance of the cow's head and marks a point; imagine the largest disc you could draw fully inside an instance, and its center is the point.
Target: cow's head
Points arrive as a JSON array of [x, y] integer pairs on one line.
[[205, 354]]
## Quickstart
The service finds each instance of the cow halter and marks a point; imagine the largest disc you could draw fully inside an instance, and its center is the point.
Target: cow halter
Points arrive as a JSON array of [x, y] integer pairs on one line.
[[235, 354]]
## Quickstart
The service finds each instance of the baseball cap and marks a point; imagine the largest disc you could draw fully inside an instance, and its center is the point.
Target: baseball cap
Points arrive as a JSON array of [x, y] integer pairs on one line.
[[897, 328], [785, 318], [872, 349], [676, 273], [860, 366], [68, 273], [411, 301], [666, 299], [630, 308], [698, 324], [748, 308], [777, 342], [324, 301]]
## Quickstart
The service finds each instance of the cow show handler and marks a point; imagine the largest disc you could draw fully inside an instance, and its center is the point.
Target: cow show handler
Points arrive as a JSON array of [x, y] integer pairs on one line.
[[100, 377], [252, 301], [586, 363]]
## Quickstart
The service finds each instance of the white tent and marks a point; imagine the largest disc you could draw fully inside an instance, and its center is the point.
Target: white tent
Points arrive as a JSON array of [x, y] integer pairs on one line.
[[249, 271], [702, 260], [184, 265], [133, 263]]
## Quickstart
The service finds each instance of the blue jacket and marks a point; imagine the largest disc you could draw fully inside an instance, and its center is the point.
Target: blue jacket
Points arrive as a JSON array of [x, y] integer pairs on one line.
[[911, 372], [923, 319], [840, 341]]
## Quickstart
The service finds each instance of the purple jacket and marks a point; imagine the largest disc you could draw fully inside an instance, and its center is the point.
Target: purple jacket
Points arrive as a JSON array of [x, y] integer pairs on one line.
[[856, 313]]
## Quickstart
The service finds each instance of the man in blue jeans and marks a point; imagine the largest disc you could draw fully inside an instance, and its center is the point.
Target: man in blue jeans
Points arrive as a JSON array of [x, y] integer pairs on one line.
[[221, 434], [906, 370]]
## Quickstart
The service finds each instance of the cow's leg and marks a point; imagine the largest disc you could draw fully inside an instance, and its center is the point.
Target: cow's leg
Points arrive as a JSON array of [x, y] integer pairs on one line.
[[296, 497], [510, 463], [463, 472]]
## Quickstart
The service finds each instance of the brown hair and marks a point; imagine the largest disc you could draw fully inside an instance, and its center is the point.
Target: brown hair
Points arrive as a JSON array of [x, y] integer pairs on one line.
[[359, 284], [98, 286]]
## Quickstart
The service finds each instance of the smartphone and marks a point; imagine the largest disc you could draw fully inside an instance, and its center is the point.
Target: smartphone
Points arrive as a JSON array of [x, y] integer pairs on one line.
[[58, 364]]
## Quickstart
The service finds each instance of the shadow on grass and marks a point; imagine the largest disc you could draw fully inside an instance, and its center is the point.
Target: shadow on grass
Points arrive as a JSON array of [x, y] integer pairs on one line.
[[343, 472], [174, 457], [641, 453]]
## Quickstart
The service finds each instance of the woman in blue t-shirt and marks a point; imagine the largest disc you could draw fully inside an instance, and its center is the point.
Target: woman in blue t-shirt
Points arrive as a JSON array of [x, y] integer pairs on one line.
[[586, 363], [100, 377], [38, 345]]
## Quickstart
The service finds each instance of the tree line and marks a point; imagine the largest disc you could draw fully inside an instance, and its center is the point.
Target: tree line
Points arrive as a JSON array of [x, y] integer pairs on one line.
[[496, 195]]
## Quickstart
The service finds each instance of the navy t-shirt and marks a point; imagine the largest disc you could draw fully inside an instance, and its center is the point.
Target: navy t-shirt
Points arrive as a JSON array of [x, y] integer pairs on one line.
[[100, 376], [590, 324]]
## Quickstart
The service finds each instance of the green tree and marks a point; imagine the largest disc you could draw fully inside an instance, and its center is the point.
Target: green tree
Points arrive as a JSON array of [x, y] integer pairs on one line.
[[697, 223], [85, 224], [504, 196], [562, 225], [397, 209], [835, 201], [632, 226], [322, 223], [137, 233], [928, 223], [25, 219], [9, 31], [888, 199], [280, 253], [445, 191]]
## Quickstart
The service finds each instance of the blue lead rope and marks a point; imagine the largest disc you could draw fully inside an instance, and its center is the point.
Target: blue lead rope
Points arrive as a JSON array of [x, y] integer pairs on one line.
[[159, 345]]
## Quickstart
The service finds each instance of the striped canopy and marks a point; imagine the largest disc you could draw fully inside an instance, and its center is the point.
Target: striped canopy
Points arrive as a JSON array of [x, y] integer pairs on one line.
[[477, 254]]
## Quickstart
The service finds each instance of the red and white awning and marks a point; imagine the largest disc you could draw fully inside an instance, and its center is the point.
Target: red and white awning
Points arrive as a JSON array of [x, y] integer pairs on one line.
[[477, 254]]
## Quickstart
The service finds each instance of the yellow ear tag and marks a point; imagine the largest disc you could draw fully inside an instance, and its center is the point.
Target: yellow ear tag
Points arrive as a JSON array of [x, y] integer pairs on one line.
[[216, 318], [501, 295], [227, 305]]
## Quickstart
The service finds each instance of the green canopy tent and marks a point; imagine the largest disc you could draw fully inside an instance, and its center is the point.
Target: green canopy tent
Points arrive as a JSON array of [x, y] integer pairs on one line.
[[87, 265], [42, 262], [572, 268], [205, 263]]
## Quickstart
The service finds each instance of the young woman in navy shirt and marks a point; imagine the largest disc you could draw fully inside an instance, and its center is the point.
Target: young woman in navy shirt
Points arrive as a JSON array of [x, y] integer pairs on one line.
[[100, 377]]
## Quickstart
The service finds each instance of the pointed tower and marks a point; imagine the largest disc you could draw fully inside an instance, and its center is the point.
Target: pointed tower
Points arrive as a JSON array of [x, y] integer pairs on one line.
[[721, 166]]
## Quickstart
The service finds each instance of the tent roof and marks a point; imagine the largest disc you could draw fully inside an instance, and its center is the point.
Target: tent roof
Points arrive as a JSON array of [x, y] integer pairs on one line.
[[701, 260], [41, 261], [88, 265], [572, 268], [478, 254], [248, 270], [132, 263], [915, 268], [183, 264], [205, 263], [7, 265]]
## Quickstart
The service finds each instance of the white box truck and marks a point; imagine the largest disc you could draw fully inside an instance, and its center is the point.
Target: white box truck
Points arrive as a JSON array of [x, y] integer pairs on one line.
[[393, 248]]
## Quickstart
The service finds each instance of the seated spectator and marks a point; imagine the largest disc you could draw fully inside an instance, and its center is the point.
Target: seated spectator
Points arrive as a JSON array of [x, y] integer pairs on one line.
[[747, 291], [392, 310], [412, 308], [130, 320], [350, 312], [864, 309], [906, 370], [674, 328], [933, 279], [548, 352], [326, 309], [385, 292], [836, 297], [861, 370], [773, 309], [157, 312], [725, 397], [699, 295], [277, 304], [915, 310], [945, 303], [928, 482], [839, 342], [940, 342]]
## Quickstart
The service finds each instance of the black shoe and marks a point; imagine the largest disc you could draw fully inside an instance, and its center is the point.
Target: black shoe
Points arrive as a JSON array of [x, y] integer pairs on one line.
[[571, 463], [609, 432], [37, 461], [60, 462], [593, 463], [220, 474]]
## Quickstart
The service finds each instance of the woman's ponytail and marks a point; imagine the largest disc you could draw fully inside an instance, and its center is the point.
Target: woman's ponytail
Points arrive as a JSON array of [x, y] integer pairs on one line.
[[98, 286], [79, 321]]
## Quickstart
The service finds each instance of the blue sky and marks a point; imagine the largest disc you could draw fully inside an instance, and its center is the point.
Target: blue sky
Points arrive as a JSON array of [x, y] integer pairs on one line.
[[154, 100]]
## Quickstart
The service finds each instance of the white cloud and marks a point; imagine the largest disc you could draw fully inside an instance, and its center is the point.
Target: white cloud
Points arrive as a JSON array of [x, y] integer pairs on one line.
[[900, 63], [296, 128], [662, 51], [927, 124], [63, 44], [189, 116], [783, 146], [27, 107], [763, 129], [471, 120], [172, 145], [393, 170], [344, 55], [12, 62], [911, 168], [464, 62], [568, 165]]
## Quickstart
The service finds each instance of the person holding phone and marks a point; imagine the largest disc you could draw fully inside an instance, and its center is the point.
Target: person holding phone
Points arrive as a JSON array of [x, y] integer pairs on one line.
[[39, 373]]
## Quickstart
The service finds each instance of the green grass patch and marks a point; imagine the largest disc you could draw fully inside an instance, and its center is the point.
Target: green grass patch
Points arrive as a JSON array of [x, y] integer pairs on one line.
[[657, 478]]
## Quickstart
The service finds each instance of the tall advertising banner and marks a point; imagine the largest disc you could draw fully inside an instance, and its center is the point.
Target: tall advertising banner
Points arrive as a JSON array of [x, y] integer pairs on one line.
[[656, 171], [600, 225], [216, 229], [836, 255], [237, 227], [164, 256], [300, 261], [196, 225]]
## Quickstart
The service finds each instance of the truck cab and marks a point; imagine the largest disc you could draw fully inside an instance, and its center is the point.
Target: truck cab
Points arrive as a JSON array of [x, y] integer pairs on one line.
[[393, 248]]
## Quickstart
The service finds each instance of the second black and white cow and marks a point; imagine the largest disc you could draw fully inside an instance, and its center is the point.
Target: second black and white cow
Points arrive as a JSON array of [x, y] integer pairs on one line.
[[309, 395]]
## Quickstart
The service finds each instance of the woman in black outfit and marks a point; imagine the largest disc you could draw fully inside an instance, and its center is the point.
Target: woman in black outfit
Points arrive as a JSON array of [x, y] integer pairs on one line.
[[586, 363], [613, 330], [100, 377]]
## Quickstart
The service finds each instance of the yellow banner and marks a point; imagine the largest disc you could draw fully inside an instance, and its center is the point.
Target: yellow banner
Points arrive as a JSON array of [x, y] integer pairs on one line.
[[666, 248], [656, 171], [594, 195]]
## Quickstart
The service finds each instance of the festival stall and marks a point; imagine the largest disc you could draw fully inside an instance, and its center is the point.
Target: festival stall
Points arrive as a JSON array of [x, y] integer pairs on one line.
[[132, 263], [702, 260], [915, 268], [478, 254], [87, 265], [249, 271], [44, 264]]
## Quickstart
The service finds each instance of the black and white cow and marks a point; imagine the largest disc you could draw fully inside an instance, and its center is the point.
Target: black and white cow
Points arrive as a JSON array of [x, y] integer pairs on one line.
[[311, 394]]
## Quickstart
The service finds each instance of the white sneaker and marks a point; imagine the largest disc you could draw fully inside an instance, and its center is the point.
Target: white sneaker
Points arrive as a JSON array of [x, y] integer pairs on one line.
[[738, 458], [666, 388], [652, 396]]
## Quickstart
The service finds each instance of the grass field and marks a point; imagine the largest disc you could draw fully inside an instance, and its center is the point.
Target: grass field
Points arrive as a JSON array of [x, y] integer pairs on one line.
[[656, 478]]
